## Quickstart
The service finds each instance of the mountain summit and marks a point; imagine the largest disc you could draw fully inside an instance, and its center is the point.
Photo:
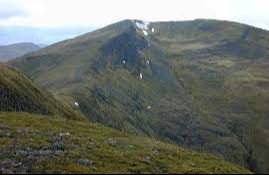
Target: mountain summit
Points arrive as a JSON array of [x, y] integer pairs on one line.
[[201, 84]]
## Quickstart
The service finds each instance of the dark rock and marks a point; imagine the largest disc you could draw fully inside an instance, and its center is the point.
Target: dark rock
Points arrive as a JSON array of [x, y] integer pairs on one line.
[[59, 142]]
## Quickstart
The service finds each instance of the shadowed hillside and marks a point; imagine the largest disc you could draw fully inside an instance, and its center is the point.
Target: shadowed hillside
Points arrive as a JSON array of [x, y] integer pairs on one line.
[[18, 94]]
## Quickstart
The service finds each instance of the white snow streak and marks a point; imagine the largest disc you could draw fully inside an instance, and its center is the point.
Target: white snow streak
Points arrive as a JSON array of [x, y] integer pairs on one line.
[[145, 33], [143, 26]]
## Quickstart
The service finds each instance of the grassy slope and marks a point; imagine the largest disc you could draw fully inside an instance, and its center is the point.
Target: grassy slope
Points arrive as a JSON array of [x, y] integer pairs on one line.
[[28, 145], [193, 83], [18, 93], [237, 99], [232, 87]]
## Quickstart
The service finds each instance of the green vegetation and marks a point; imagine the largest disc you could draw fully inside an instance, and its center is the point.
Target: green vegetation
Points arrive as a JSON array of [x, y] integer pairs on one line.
[[205, 86], [19, 94], [238, 98], [32, 144]]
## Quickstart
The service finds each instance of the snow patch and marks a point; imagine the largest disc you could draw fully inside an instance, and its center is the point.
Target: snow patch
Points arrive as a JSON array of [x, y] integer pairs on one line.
[[153, 30], [147, 61], [141, 76], [76, 104], [149, 107], [145, 33], [142, 25]]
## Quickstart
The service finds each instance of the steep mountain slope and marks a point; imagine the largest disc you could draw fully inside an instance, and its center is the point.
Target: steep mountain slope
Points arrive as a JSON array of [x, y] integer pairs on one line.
[[18, 94], [199, 83], [16, 50], [35, 144]]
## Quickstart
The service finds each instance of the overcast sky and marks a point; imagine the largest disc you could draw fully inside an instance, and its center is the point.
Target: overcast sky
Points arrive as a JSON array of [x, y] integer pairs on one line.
[[97, 13]]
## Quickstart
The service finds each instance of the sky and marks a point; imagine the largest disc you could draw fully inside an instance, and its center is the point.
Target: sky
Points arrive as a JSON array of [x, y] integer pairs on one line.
[[74, 17]]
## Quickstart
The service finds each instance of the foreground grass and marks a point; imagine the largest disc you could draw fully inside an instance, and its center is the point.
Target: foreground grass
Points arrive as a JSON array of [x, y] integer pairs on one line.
[[36, 144]]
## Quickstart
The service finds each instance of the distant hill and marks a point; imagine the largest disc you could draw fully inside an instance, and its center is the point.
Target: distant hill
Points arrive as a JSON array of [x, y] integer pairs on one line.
[[16, 50], [202, 84]]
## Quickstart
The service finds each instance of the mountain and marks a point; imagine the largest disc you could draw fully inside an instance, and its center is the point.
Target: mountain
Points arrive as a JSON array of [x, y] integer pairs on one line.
[[16, 50], [202, 84], [49, 143], [19, 94], [36, 144]]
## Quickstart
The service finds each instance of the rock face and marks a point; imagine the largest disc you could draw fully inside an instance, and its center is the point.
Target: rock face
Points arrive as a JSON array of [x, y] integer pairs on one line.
[[123, 48], [206, 84]]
